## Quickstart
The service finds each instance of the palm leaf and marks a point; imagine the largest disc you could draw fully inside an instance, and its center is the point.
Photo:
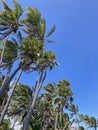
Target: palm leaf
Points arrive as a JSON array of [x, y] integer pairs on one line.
[[5, 6], [51, 31], [18, 9], [50, 41], [2, 28], [57, 100]]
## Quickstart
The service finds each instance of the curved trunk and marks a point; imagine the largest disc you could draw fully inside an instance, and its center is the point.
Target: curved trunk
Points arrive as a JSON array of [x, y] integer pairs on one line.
[[9, 98], [5, 85], [38, 87]]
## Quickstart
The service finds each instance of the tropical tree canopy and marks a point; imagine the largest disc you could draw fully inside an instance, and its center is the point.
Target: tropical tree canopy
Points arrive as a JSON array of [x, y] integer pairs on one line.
[[23, 50]]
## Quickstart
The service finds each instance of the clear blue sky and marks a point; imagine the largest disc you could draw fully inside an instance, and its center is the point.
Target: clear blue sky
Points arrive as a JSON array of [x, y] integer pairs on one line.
[[77, 47]]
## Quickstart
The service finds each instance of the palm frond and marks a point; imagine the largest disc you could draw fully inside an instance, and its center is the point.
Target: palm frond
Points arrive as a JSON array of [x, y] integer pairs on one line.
[[50, 41], [5, 6], [2, 28], [51, 31], [18, 9]]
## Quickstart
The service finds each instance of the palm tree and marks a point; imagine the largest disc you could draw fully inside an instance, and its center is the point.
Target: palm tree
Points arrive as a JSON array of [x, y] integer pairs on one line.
[[9, 22], [65, 98], [10, 55], [36, 30]]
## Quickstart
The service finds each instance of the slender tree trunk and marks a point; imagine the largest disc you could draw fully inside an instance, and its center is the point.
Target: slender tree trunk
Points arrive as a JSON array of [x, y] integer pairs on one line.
[[7, 75], [5, 85], [9, 98], [39, 85], [56, 121], [61, 111], [2, 53]]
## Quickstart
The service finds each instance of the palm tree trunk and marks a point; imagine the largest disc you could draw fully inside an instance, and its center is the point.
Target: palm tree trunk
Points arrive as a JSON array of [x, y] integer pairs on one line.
[[7, 75], [61, 111], [5, 85], [56, 121], [2, 53], [39, 85], [10, 96]]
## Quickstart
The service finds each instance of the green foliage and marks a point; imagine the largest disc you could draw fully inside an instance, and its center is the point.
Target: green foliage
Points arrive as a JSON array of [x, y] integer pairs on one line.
[[20, 100], [9, 18], [5, 125], [18, 9], [32, 23], [10, 53]]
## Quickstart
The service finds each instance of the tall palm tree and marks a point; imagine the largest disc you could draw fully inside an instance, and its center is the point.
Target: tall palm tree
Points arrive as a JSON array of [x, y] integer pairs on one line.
[[10, 55], [35, 28], [65, 98], [9, 22]]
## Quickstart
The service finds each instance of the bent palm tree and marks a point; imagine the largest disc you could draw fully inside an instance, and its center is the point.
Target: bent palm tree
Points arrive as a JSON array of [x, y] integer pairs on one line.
[[9, 22], [43, 64], [10, 54]]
